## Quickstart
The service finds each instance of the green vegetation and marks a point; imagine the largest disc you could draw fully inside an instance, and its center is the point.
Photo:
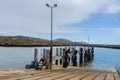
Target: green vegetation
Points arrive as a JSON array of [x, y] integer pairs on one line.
[[22, 40]]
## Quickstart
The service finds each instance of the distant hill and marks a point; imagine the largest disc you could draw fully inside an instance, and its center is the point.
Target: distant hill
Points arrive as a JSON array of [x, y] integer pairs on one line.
[[25, 40], [83, 42], [22, 40], [65, 41]]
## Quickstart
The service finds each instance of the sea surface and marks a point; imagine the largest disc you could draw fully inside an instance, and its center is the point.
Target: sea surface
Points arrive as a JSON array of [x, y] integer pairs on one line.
[[15, 57]]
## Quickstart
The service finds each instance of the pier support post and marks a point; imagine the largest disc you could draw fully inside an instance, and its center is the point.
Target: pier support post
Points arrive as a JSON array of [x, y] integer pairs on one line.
[[47, 58], [65, 58], [74, 58], [61, 55], [56, 61], [44, 54], [81, 56], [89, 55], [92, 51], [36, 58], [85, 56], [73, 50]]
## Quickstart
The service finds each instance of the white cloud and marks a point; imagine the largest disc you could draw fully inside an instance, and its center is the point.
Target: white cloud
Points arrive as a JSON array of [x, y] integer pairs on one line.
[[111, 9], [32, 16], [112, 30]]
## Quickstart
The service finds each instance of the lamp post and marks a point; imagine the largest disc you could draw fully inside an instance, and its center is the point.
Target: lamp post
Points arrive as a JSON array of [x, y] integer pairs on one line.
[[51, 45]]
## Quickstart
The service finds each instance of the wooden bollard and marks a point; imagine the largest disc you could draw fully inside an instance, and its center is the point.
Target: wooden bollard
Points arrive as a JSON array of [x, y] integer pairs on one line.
[[56, 51], [73, 50], [85, 56], [92, 52], [74, 58], [89, 55], [56, 61], [47, 58], [36, 58], [81, 56], [61, 51], [44, 54], [61, 55], [65, 58], [68, 53]]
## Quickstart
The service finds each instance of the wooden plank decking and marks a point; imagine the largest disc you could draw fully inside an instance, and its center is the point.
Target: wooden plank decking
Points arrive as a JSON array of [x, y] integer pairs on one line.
[[60, 74]]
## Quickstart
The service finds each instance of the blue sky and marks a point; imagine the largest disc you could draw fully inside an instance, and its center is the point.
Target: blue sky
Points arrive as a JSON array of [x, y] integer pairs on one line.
[[74, 20], [101, 28]]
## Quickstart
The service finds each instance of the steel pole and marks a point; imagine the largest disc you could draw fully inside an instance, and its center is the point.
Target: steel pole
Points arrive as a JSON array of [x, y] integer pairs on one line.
[[51, 45]]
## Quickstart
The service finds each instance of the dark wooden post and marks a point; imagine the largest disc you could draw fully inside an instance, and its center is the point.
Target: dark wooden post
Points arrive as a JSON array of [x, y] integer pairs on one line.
[[68, 55], [61, 55], [81, 56], [47, 58], [65, 58], [64, 50], [44, 54], [89, 55], [56, 61], [73, 50], [36, 58], [61, 51], [74, 58], [92, 51], [85, 56], [56, 51]]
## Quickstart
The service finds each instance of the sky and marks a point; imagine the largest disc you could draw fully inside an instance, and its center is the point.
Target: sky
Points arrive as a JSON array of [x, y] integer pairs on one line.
[[72, 19]]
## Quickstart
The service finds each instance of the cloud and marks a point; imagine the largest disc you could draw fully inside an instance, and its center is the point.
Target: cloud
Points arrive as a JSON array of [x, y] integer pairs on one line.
[[112, 30], [32, 17], [112, 9]]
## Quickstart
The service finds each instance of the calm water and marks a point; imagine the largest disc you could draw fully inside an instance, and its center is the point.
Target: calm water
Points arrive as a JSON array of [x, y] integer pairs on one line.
[[105, 59]]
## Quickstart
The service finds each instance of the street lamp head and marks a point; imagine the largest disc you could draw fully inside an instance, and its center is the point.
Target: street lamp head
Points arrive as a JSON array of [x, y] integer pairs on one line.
[[55, 5], [47, 5]]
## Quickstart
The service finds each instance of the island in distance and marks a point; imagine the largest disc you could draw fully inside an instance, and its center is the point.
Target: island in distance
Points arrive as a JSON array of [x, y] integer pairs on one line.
[[25, 40]]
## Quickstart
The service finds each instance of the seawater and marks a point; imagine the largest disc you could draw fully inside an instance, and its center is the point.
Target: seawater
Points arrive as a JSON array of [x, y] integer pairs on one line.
[[15, 57], [106, 59]]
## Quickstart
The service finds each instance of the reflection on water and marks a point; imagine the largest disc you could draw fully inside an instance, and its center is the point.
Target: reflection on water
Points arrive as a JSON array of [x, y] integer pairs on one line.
[[105, 59]]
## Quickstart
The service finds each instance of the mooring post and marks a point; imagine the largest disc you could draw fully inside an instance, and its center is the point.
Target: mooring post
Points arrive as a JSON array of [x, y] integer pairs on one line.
[[81, 56], [73, 50], [89, 55], [56, 51], [92, 51], [56, 61], [47, 58], [61, 55], [65, 58], [74, 58], [85, 56], [44, 54], [36, 58]]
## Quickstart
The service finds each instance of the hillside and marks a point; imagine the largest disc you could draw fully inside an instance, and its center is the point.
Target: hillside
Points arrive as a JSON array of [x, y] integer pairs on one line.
[[24, 40], [65, 41]]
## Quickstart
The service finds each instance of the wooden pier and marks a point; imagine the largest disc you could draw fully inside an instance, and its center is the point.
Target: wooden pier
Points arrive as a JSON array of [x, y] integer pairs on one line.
[[62, 70], [58, 73]]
